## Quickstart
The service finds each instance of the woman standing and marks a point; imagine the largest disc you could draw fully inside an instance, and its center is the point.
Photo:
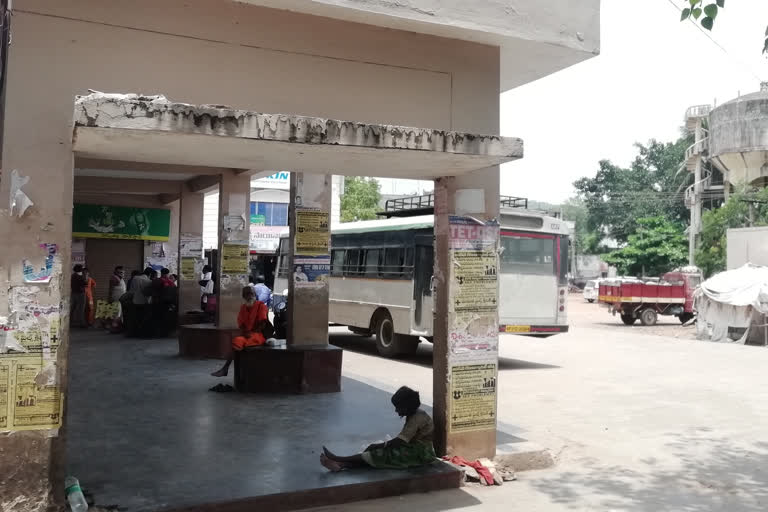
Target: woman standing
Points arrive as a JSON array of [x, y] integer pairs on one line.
[[90, 307]]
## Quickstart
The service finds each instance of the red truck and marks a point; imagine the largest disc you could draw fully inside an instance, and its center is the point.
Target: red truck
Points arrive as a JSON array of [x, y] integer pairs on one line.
[[634, 299]]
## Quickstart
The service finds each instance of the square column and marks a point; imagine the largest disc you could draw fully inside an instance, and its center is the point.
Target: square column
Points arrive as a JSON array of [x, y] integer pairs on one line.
[[190, 249], [465, 357], [309, 259], [232, 265]]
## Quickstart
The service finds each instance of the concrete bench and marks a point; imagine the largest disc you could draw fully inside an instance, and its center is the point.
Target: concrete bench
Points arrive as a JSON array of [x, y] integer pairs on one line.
[[206, 341], [293, 369]]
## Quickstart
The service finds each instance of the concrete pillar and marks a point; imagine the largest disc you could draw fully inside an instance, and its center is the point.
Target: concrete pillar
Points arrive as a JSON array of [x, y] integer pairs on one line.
[[465, 369], [309, 261], [35, 221], [234, 218], [190, 249], [696, 206]]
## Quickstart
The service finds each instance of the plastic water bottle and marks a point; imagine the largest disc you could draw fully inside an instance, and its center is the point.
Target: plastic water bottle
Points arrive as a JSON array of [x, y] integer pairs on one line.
[[74, 495]]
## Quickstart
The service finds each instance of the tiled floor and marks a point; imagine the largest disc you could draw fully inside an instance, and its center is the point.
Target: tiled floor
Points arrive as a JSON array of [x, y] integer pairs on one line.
[[144, 432]]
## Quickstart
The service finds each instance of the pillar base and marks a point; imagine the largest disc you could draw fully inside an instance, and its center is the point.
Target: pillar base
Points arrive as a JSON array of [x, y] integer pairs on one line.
[[206, 341], [303, 369]]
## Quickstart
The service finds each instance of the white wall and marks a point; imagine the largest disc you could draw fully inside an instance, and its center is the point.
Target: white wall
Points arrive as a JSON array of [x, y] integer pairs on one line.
[[211, 220], [747, 245]]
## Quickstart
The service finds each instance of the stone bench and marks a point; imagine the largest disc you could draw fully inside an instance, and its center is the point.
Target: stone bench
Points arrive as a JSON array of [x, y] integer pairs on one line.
[[293, 369], [206, 341]]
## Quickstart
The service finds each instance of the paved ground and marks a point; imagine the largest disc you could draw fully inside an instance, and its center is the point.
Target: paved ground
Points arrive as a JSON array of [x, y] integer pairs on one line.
[[637, 421]]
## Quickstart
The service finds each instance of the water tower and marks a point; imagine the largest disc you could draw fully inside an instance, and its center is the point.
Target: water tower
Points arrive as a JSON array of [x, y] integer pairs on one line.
[[738, 139]]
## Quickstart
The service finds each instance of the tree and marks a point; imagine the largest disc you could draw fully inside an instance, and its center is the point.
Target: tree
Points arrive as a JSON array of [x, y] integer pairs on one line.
[[695, 8], [735, 213], [653, 185], [658, 245], [360, 200]]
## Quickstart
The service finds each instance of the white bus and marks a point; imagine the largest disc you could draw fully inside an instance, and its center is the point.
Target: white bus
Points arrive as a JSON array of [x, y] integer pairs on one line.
[[381, 278]]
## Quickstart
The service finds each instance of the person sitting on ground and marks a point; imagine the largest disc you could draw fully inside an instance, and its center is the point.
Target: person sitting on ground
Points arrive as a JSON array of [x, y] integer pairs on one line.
[[411, 448], [253, 323]]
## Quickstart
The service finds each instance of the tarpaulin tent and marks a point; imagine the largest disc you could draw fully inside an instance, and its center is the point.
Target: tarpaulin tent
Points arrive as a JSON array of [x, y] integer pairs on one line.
[[732, 306]]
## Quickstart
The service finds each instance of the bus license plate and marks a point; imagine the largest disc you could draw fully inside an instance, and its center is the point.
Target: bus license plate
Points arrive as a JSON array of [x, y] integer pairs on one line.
[[518, 328]]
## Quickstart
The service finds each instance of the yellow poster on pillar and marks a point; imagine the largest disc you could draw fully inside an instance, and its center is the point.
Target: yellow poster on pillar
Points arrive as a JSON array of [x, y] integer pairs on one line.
[[27, 398], [5, 389], [234, 258], [312, 232], [472, 400], [188, 269]]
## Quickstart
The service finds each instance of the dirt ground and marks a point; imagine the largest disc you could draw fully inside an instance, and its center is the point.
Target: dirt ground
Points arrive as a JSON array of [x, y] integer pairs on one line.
[[583, 314]]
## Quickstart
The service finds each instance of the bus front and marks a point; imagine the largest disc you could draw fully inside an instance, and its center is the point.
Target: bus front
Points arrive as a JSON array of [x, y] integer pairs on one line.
[[533, 282]]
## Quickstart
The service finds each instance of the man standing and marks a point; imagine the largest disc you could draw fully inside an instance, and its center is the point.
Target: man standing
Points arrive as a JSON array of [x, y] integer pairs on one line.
[[139, 286], [77, 300]]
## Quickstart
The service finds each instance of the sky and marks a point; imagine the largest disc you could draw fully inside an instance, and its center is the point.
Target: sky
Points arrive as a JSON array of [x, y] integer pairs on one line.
[[651, 68]]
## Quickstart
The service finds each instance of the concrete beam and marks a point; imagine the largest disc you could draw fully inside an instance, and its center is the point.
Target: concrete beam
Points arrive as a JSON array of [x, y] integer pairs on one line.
[[203, 183], [169, 198], [125, 186], [127, 165], [153, 129]]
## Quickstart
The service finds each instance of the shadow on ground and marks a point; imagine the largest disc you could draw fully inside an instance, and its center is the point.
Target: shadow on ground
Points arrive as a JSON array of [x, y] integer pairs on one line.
[[712, 474], [423, 357]]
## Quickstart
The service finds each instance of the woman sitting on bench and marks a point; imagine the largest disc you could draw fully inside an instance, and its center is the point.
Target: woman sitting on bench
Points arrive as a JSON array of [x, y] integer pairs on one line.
[[254, 326], [411, 448]]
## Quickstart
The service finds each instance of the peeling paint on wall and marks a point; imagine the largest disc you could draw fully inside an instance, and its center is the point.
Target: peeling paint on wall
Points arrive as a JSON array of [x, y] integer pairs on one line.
[[19, 200], [132, 111]]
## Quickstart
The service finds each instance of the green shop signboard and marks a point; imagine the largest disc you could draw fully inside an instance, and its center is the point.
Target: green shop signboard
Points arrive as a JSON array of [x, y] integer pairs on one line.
[[94, 221]]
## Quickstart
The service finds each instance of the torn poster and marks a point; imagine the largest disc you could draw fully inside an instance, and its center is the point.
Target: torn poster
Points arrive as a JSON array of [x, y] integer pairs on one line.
[[42, 275], [473, 303], [19, 200]]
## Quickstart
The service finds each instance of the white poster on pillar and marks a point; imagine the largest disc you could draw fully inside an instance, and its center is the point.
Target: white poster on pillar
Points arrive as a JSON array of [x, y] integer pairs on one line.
[[473, 322]]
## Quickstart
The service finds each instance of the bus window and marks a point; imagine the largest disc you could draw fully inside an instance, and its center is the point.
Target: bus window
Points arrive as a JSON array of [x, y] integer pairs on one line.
[[337, 263], [408, 264], [372, 262], [352, 262], [524, 254], [394, 258]]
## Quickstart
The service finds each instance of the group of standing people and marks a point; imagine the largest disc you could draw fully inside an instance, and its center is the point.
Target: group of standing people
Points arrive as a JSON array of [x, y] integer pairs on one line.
[[144, 306], [151, 302]]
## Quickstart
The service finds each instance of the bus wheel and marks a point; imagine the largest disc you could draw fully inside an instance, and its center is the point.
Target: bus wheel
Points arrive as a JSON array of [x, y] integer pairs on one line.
[[648, 317], [628, 318], [390, 344], [385, 335]]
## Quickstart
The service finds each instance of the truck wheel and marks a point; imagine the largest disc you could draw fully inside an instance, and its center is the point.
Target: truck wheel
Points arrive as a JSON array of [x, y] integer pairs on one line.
[[628, 318], [648, 317], [685, 317]]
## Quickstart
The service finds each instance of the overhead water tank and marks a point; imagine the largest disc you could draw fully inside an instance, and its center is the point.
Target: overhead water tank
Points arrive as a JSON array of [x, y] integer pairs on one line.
[[738, 133]]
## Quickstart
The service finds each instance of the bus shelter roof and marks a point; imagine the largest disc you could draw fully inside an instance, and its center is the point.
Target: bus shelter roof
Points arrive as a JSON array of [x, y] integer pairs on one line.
[[130, 127]]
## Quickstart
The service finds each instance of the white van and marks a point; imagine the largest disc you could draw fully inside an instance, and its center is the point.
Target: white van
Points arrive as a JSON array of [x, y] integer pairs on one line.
[[591, 290]]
